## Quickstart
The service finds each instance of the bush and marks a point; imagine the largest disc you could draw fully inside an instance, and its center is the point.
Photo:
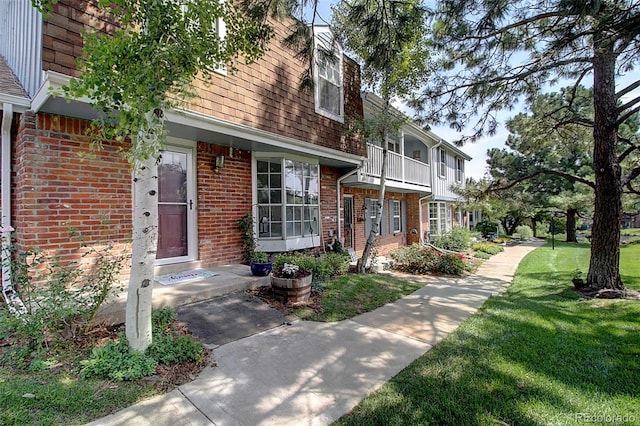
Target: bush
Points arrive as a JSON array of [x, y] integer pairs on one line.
[[524, 231], [60, 300], [116, 361], [487, 227], [330, 265], [167, 349], [450, 264], [489, 248], [414, 259], [482, 255], [304, 261], [458, 239]]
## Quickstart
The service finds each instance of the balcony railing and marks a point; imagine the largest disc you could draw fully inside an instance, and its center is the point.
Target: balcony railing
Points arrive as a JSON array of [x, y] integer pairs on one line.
[[399, 168]]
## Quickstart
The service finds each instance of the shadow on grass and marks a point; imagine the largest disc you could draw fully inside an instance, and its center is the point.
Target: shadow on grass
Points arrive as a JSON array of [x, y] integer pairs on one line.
[[539, 355]]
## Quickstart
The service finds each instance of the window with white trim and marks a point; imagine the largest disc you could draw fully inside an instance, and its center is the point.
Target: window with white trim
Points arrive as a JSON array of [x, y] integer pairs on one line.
[[442, 165], [396, 219], [459, 169], [439, 218], [329, 91], [288, 198]]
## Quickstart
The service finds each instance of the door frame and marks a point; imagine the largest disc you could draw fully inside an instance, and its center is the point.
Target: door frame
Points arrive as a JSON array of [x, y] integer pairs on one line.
[[187, 147], [344, 215]]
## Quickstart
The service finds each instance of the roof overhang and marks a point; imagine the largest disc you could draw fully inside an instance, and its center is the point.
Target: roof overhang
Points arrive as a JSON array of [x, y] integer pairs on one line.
[[200, 127]]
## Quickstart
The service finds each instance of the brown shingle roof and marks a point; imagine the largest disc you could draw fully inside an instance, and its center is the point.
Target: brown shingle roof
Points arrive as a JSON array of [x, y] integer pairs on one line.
[[9, 83]]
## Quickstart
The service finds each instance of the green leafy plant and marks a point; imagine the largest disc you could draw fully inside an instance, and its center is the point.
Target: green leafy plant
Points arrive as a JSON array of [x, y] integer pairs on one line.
[[524, 231], [489, 248], [482, 255], [166, 349], [246, 227], [414, 259], [458, 239], [116, 361], [260, 257], [450, 264]]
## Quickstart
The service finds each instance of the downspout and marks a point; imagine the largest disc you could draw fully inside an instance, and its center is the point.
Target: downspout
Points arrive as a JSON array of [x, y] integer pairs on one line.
[[10, 296], [338, 197], [434, 175]]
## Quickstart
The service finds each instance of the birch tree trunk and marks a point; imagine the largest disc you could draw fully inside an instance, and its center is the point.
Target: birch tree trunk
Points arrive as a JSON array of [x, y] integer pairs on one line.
[[145, 240]]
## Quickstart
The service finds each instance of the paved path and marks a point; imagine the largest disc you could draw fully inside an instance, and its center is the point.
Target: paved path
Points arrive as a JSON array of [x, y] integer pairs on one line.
[[310, 373]]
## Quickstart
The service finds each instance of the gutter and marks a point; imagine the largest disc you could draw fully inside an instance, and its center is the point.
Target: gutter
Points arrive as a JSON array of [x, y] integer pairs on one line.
[[10, 296]]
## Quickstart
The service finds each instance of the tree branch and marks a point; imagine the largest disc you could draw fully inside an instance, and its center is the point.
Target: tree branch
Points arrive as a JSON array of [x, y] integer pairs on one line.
[[629, 104], [634, 173], [543, 172], [628, 89], [627, 151], [626, 116]]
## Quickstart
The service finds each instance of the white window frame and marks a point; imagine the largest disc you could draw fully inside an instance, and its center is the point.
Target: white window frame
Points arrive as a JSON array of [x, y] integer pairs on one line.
[[285, 242], [396, 216], [221, 28], [323, 40], [440, 223], [442, 162], [459, 169]]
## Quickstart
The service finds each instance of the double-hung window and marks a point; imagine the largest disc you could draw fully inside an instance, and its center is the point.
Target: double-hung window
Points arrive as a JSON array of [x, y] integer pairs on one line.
[[396, 219], [442, 165], [459, 169], [439, 218], [328, 85], [288, 200]]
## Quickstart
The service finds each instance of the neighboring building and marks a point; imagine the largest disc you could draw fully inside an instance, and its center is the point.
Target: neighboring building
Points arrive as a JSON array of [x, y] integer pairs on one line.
[[630, 221], [249, 142]]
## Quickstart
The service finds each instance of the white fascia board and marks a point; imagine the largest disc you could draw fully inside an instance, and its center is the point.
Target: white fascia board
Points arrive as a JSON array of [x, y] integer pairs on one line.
[[206, 122], [19, 103], [53, 81]]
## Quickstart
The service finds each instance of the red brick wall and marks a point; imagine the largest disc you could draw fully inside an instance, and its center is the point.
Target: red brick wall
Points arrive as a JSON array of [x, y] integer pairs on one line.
[[58, 195]]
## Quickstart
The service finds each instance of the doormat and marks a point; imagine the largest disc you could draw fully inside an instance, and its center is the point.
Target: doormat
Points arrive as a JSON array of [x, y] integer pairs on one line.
[[181, 277]]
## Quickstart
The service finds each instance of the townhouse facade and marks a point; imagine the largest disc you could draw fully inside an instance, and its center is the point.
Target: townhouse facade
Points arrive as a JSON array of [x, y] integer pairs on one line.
[[250, 141]]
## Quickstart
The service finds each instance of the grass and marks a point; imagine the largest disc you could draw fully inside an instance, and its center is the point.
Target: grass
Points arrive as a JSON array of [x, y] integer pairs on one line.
[[632, 232], [351, 295], [538, 355]]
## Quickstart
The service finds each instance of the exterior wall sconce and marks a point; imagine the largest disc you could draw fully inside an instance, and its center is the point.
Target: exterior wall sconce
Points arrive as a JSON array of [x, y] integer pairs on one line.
[[362, 212], [218, 163]]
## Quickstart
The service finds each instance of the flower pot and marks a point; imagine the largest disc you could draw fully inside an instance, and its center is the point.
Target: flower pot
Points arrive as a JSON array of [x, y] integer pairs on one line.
[[261, 269], [291, 289]]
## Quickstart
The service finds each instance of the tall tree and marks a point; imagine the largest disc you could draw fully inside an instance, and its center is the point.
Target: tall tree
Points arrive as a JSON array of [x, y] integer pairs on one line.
[[501, 51], [131, 75], [388, 40]]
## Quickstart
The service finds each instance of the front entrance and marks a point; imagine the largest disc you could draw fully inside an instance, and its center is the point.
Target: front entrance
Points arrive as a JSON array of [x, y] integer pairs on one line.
[[176, 212], [347, 229]]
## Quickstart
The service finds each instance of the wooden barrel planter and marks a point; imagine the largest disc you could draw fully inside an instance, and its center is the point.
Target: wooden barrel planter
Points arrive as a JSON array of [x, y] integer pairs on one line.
[[291, 289]]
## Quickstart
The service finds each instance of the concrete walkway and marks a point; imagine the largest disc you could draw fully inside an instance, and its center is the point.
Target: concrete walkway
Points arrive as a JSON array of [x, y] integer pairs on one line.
[[310, 373]]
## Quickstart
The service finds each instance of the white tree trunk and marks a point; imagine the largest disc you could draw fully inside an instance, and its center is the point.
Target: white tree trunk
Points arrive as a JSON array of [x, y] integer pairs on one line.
[[144, 246]]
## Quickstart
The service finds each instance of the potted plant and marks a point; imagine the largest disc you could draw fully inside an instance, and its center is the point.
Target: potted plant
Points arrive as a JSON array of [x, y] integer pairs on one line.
[[260, 264], [292, 277], [577, 280]]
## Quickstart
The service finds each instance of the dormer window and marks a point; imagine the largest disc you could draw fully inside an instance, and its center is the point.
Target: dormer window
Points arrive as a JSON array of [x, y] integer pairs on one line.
[[329, 91]]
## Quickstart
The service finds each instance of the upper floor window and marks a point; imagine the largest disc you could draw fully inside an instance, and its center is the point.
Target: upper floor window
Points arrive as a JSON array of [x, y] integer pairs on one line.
[[459, 169], [442, 165], [329, 91]]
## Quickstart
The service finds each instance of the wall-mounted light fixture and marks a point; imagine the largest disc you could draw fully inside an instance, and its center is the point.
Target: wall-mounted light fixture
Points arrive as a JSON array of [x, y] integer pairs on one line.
[[362, 212], [218, 163]]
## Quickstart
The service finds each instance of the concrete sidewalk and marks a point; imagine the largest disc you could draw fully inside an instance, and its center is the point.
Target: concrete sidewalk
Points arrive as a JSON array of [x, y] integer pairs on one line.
[[310, 373]]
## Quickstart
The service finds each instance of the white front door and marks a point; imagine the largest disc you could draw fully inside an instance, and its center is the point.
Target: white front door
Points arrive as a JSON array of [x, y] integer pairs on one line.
[[176, 208]]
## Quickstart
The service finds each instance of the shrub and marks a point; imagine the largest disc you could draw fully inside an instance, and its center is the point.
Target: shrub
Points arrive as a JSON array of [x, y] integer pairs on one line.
[[450, 264], [116, 361], [482, 255], [489, 248], [487, 227], [60, 299], [524, 231], [458, 239], [414, 259], [167, 349], [330, 265], [304, 261]]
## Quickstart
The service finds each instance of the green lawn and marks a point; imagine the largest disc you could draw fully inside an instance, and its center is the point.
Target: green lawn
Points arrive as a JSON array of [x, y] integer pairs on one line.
[[538, 355]]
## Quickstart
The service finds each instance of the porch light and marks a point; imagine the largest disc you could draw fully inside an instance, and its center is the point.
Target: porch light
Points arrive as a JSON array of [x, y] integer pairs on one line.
[[218, 163]]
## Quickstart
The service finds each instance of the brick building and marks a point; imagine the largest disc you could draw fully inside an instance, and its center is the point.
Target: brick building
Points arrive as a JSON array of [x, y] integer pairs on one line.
[[250, 141]]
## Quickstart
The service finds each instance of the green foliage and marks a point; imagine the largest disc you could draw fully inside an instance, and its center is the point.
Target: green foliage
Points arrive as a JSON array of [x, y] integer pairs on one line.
[[166, 349], [458, 239], [489, 248], [60, 299], [323, 267], [116, 361], [487, 227], [414, 259], [246, 227], [482, 255], [302, 260], [524, 231], [260, 257], [450, 264]]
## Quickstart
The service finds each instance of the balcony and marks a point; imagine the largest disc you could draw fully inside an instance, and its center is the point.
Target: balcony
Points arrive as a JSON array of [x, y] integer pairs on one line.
[[402, 172]]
